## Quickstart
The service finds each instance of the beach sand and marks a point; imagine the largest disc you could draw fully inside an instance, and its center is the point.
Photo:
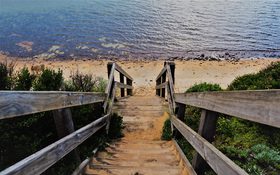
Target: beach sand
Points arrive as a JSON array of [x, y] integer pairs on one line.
[[144, 72]]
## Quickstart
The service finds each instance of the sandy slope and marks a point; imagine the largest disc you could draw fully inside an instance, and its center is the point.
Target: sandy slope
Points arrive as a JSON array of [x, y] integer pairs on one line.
[[145, 72]]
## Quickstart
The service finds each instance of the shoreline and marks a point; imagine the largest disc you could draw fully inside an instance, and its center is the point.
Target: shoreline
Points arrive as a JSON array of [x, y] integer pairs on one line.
[[144, 71]]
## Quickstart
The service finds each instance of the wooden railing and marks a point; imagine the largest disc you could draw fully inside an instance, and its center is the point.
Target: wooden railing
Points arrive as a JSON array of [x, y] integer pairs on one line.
[[20, 103], [261, 106]]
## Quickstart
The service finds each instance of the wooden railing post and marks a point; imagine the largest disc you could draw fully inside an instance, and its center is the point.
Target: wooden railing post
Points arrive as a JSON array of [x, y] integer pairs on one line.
[[180, 114], [163, 80], [65, 126], [109, 69], [122, 81], [129, 82], [158, 81], [207, 129], [172, 68]]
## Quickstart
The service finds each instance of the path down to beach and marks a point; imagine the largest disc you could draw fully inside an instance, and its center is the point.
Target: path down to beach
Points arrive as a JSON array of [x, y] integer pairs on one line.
[[140, 151]]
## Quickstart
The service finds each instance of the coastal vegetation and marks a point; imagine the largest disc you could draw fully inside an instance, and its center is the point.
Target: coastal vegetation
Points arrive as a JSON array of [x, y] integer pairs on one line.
[[253, 146], [24, 136]]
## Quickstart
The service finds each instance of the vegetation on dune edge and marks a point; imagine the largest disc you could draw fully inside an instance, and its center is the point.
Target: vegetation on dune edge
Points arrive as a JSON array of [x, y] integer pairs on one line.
[[37, 131], [254, 147]]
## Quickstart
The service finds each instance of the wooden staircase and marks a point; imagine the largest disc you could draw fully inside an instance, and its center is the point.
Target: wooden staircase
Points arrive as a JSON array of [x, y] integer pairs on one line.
[[140, 151]]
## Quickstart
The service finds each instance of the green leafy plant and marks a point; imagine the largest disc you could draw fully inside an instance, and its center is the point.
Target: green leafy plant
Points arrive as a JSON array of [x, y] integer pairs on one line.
[[49, 80], [6, 75], [166, 131], [24, 80]]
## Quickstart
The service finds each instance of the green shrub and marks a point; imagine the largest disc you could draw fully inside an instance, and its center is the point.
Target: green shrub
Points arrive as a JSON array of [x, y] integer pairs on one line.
[[24, 80], [6, 75], [85, 83], [166, 131], [82, 82], [265, 155], [4, 78], [100, 85], [203, 87], [49, 80], [267, 78]]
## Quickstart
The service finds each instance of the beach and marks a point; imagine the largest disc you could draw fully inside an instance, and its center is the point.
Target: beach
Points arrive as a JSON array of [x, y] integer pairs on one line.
[[144, 72]]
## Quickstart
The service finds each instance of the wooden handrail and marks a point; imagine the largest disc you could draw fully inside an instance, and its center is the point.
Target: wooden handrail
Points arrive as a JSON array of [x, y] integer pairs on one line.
[[40, 161], [216, 159], [165, 82], [260, 106], [112, 67], [19, 103]]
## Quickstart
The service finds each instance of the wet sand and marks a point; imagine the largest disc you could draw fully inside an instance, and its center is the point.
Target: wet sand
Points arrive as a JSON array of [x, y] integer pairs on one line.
[[144, 72]]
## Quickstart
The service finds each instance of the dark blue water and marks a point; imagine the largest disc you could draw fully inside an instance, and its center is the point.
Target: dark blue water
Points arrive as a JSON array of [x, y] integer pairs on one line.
[[140, 28]]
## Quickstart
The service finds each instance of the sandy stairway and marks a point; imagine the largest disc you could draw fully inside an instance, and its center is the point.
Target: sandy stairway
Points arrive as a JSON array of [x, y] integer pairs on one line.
[[140, 152]]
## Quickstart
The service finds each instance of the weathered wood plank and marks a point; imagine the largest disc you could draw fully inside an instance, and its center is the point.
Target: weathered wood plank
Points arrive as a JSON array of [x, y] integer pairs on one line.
[[129, 82], [121, 85], [119, 69], [171, 85], [110, 108], [18, 103], [262, 106], [40, 161], [161, 72], [207, 129], [163, 80], [184, 158], [162, 85], [81, 168], [111, 72], [122, 81], [216, 159], [64, 125]]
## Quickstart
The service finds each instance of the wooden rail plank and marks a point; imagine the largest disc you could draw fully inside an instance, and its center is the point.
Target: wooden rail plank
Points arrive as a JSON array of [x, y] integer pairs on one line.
[[40, 161], [110, 108], [122, 81], [161, 72], [162, 85], [111, 72], [184, 158], [119, 69], [81, 168], [216, 159], [207, 129], [121, 85], [18, 103], [111, 78], [171, 85], [262, 106]]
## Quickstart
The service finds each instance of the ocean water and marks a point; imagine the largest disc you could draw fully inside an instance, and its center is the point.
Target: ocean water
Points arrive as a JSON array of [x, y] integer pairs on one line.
[[140, 28]]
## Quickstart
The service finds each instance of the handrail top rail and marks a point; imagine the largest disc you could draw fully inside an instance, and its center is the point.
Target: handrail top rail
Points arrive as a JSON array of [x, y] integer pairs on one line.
[[164, 69], [260, 106], [232, 91], [119, 69], [20, 103], [51, 92]]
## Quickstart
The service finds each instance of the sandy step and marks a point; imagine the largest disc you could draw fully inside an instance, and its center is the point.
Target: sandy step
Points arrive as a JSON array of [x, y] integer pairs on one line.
[[138, 108], [139, 150], [134, 163], [133, 157], [125, 170]]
